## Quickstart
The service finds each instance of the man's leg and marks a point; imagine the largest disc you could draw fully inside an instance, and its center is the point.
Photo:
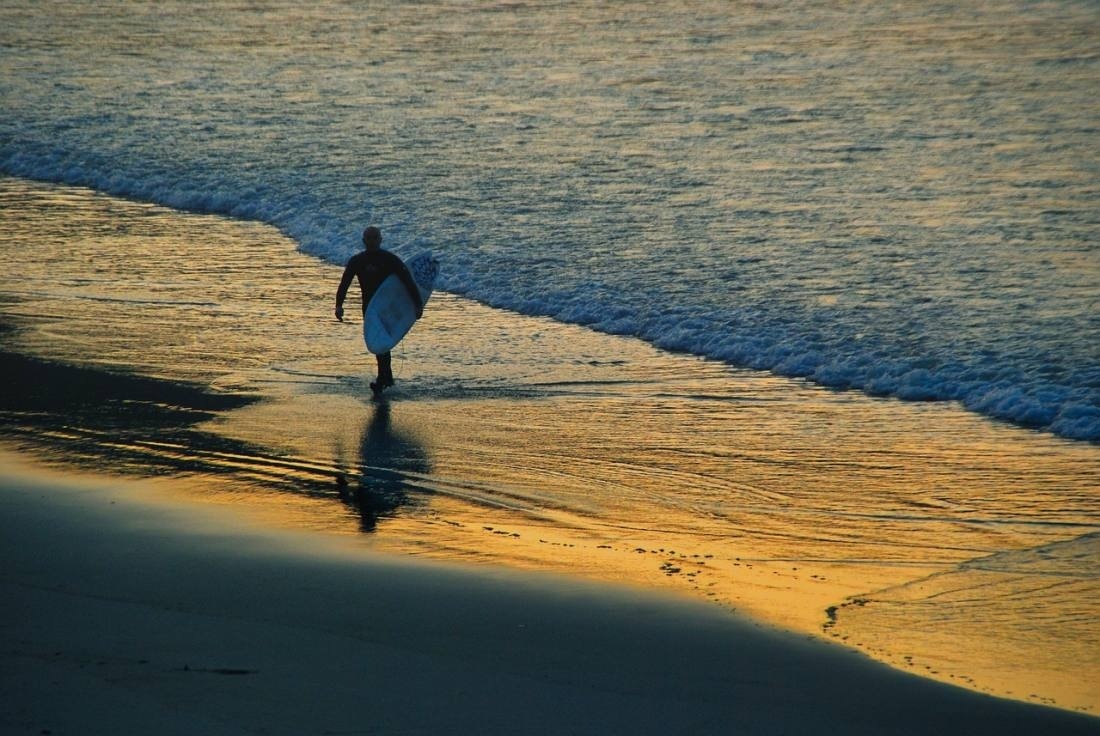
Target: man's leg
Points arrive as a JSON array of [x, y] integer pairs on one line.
[[385, 374]]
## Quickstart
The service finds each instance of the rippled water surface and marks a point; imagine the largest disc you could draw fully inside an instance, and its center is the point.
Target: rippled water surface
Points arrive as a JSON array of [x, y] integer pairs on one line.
[[900, 198]]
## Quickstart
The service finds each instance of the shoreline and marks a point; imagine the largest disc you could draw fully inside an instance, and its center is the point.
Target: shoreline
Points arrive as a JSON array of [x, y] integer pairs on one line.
[[124, 614], [543, 448]]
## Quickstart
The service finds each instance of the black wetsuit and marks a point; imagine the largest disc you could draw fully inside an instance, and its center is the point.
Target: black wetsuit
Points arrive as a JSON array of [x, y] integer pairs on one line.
[[372, 267]]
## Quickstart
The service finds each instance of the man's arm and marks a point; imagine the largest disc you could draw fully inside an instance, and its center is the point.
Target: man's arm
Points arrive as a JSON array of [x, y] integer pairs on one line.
[[342, 291]]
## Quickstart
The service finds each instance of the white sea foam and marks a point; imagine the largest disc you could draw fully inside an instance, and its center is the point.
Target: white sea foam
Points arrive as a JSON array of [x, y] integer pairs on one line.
[[854, 212]]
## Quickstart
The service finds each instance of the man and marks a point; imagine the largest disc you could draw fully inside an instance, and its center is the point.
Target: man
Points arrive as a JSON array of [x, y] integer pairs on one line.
[[371, 267]]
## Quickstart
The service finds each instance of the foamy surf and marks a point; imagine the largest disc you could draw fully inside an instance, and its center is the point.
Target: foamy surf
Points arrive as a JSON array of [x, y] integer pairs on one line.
[[804, 189]]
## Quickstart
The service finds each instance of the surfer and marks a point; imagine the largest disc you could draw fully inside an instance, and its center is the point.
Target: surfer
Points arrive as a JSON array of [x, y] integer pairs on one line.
[[371, 267]]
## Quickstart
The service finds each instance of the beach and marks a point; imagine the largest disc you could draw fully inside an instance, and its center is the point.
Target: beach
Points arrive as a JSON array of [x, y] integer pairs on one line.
[[124, 615], [759, 391], [195, 471]]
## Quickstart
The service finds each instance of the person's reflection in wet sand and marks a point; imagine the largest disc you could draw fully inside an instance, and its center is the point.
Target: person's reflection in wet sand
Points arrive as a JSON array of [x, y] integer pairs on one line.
[[388, 463]]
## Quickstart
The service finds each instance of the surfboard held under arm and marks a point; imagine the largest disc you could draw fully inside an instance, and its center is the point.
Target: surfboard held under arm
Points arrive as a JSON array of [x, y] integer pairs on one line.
[[391, 312]]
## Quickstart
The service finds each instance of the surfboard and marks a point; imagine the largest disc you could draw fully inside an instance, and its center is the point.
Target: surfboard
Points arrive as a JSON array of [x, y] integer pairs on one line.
[[391, 312]]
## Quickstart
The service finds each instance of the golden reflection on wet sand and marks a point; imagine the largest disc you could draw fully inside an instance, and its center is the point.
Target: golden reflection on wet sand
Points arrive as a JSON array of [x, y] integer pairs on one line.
[[931, 538]]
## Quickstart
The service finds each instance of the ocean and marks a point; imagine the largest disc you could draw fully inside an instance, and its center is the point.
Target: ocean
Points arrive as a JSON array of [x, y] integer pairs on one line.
[[790, 307], [899, 199]]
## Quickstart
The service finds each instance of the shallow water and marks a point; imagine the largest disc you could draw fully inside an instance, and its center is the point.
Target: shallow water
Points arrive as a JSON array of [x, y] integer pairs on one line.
[[934, 539], [900, 198]]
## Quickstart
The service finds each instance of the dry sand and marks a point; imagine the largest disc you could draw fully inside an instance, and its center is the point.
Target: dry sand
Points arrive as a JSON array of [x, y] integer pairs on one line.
[[126, 616]]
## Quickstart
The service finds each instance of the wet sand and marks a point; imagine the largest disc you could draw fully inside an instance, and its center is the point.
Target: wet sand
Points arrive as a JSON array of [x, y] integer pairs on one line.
[[934, 540], [126, 616]]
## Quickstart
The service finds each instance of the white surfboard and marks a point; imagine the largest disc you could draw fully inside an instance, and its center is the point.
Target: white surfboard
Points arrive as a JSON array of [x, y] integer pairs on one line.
[[391, 312]]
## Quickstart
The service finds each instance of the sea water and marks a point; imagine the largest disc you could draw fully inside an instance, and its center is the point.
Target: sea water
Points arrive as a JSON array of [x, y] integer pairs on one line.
[[898, 198]]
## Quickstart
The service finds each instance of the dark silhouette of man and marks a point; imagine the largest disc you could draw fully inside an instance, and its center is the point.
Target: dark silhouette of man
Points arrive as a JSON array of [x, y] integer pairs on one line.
[[372, 266]]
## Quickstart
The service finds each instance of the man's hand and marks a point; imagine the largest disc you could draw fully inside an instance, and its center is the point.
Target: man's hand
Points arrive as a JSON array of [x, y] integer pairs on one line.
[[340, 313]]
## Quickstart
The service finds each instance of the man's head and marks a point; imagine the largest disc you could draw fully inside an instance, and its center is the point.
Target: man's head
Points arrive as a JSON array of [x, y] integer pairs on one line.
[[372, 238]]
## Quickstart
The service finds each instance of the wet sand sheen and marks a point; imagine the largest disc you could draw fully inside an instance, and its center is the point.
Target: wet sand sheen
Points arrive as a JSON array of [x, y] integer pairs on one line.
[[538, 445], [219, 627]]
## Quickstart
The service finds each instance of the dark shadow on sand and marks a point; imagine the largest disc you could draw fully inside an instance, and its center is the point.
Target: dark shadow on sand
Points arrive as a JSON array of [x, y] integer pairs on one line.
[[113, 422], [91, 419], [104, 420]]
